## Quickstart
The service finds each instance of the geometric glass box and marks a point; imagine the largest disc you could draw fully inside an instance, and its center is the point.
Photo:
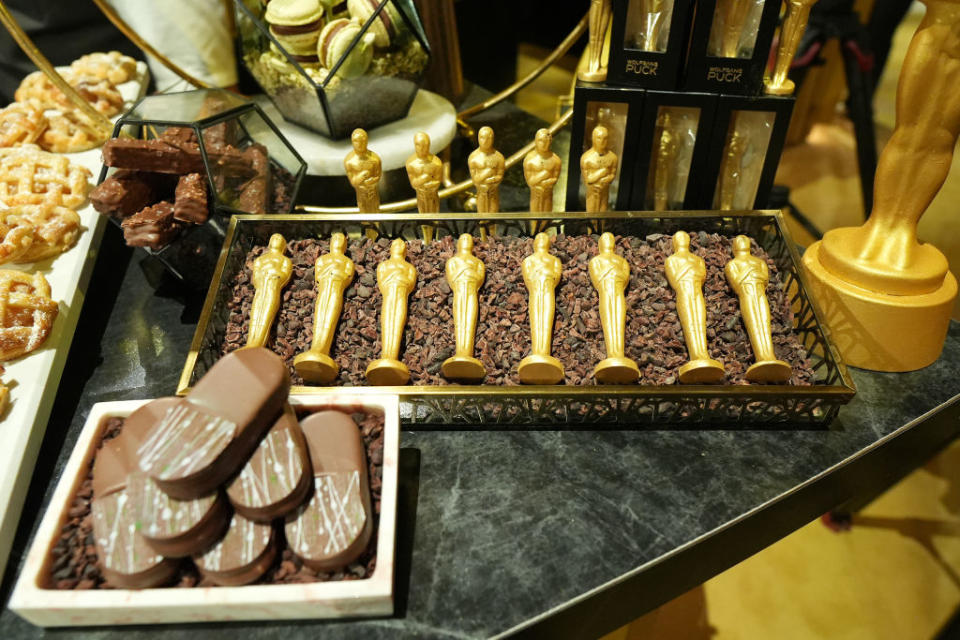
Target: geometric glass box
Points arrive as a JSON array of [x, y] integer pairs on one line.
[[245, 166], [334, 72]]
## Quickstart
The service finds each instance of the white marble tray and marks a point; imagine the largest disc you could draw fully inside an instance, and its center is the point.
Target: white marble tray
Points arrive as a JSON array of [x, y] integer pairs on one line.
[[36, 376], [372, 596]]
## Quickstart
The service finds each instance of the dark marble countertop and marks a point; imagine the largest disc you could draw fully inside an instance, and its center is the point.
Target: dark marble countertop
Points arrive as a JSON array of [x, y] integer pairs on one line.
[[548, 533]]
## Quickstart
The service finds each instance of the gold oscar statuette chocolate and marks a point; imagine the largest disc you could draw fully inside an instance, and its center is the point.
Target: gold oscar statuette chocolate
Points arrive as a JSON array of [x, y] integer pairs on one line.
[[794, 24], [888, 297], [333, 273], [686, 273], [610, 275], [735, 14], [271, 273], [598, 167], [486, 166], [425, 171], [396, 278], [653, 15], [731, 169], [541, 169], [666, 164], [364, 171], [541, 275], [595, 69], [465, 274], [748, 276]]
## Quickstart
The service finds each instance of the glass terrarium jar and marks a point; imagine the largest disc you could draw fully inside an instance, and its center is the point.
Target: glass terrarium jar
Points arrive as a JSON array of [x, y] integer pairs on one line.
[[180, 164], [333, 71]]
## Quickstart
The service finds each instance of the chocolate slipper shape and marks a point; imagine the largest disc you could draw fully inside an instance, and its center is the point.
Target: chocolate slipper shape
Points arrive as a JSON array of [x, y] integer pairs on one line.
[[201, 443], [277, 478], [125, 558], [334, 527], [177, 528], [242, 556]]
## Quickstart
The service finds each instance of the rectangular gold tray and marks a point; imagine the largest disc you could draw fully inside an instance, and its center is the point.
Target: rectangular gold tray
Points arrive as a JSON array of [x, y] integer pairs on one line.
[[617, 406]]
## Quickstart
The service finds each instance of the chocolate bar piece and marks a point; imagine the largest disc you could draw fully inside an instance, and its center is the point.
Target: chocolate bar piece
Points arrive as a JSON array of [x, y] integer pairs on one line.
[[190, 204], [331, 530], [213, 432], [243, 555], [152, 227], [151, 155], [177, 528], [123, 194], [180, 137], [125, 558], [253, 193], [277, 478]]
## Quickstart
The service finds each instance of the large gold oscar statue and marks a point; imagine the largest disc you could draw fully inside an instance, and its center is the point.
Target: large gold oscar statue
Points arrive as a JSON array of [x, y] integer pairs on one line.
[[396, 278], [465, 274], [541, 275], [596, 67], [610, 274], [888, 297], [794, 24], [364, 170], [333, 273], [598, 167], [271, 273], [748, 276], [686, 272]]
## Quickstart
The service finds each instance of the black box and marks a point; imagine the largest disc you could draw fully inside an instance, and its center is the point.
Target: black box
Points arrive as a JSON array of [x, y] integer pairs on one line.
[[740, 72], [632, 61], [689, 119], [620, 109], [741, 178]]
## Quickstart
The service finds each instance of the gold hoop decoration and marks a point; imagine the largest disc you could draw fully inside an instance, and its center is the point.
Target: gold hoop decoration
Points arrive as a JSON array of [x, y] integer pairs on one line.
[[145, 46], [101, 122], [460, 187]]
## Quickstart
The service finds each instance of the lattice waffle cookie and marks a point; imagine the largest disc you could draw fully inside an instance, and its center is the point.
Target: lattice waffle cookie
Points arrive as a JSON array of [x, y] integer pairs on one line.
[[100, 93], [69, 132], [21, 123], [27, 312], [112, 66], [31, 176], [36, 232]]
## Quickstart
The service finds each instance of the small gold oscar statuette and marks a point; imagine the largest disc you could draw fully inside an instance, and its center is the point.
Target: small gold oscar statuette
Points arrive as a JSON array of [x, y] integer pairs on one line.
[[610, 275], [598, 167], [794, 24], [735, 14], [396, 278], [686, 273], [731, 169], [653, 15], [665, 165], [541, 169], [271, 273], [486, 166], [748, 276], [364, 171], [465, 274], [333, 273], [596, 67], [541, 274], [425, 171]]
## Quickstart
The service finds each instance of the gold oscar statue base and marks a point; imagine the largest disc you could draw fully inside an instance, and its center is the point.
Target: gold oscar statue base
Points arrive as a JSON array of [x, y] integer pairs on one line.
[[535, 369], [704, 371], [387, 373], [879, 331], [592, 76], [463, 368], [785, 89], [616, 371], [768, 371], [316, 367]]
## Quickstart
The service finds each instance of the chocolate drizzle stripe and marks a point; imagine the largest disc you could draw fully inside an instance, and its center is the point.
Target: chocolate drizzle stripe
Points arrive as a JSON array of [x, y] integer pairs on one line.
[[294, 29], [184, 442]]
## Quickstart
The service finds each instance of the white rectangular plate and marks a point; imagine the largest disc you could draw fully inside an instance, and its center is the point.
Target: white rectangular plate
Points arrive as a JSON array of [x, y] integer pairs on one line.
[[34, 378], [372, 596]]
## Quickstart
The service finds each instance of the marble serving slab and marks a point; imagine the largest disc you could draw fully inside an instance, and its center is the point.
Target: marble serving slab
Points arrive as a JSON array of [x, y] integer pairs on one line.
[[372, 596]]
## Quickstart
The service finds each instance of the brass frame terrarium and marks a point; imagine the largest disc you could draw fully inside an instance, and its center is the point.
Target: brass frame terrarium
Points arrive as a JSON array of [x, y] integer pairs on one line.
[[602, 406]]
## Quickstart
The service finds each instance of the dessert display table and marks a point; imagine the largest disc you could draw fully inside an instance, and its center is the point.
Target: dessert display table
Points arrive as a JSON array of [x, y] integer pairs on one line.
[[547, 533]]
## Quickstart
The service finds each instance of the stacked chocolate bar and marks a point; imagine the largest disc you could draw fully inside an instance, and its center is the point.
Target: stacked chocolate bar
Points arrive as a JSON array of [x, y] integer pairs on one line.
[[223, 476], [160, 185]]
